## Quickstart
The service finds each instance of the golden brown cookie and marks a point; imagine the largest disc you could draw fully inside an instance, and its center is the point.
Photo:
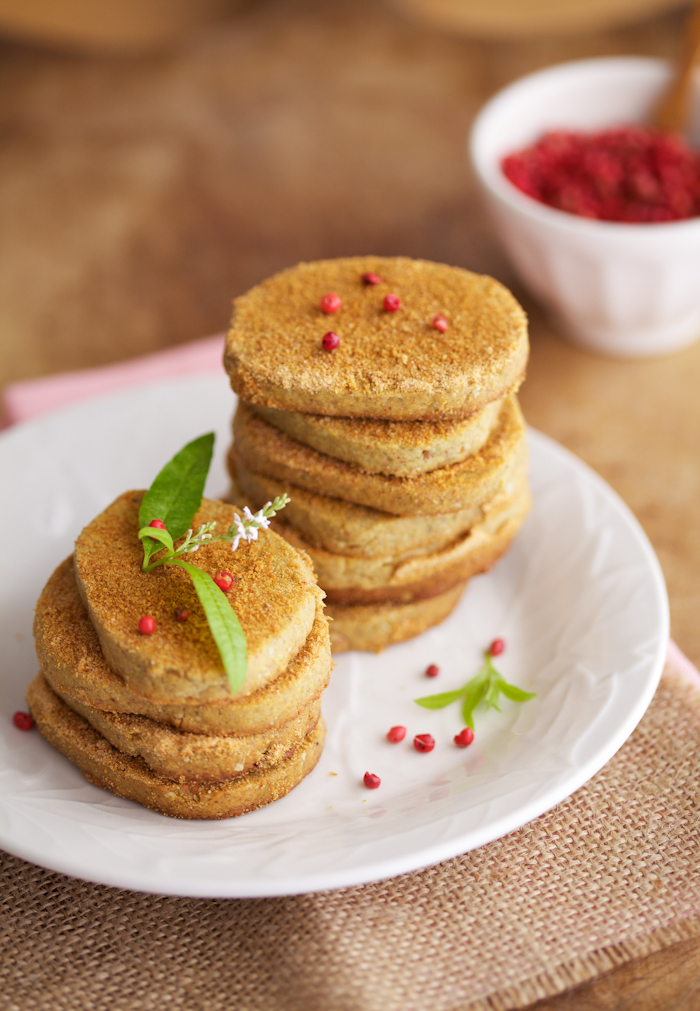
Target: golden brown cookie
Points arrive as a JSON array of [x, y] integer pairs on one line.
[[348, 580], [373, 627], [345, 528], [104, 766], [473, 481], [388, 364], [70, 656], [196, 758], [274, 595], [399, 448]]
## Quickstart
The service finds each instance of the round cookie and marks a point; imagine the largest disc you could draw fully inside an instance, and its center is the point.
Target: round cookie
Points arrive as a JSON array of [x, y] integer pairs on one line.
[[472, 481], [398, 448], [373, 627], [348, 580], [345, 528], [72, 662], [274, 595], [128, 777], [388, 364], [196, 758]]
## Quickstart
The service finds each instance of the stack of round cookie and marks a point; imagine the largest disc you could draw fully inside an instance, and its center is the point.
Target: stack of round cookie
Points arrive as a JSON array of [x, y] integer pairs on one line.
[[152, 717], [379, 394]]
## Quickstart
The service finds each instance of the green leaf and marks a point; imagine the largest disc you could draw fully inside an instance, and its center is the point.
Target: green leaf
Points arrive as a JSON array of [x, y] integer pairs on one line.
[[516, 694], [493, 690], [439, 701], [176, 494], [223, 622], [473, 694], [157, 534]]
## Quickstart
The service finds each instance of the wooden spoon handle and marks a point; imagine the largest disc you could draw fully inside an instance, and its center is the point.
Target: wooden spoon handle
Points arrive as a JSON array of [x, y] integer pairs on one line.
[[672, 111]]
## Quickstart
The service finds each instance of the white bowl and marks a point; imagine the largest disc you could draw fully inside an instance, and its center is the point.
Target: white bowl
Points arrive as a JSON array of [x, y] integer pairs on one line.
[[621, 289]]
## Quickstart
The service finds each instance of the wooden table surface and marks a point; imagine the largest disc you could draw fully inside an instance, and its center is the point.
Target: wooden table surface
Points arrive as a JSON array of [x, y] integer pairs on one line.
[[139, 195]]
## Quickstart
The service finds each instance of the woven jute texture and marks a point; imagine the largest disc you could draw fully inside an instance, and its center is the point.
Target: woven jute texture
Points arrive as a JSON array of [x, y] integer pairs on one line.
[[609, 875]]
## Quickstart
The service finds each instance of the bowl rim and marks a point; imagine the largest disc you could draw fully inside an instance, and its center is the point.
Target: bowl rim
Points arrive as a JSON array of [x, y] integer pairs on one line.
[[498, 185]]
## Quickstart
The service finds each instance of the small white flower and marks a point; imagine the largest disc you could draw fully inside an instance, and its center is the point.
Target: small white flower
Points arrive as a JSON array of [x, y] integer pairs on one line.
[[247, 527], [262, 520]]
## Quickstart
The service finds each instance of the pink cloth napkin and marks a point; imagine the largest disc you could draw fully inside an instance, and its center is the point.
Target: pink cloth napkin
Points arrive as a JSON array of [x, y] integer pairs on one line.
[[28, 399], [33, 397]]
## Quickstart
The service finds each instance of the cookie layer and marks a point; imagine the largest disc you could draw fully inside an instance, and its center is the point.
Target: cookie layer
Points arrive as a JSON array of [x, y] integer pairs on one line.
[[274, 595], [388, 364], [349, 580], [345, 528], [128, 777], [70, 655], [196, 758], [473, 481], [373, 627], [398, 448]]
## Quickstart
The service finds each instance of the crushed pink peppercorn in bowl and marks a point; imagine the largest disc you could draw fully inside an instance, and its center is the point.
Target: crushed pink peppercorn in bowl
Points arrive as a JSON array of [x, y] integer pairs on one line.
[[599, 215], [632, 174]]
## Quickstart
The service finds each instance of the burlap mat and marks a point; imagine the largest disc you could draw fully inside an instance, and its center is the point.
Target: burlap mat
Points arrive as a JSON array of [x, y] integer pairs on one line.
[[609, 875]]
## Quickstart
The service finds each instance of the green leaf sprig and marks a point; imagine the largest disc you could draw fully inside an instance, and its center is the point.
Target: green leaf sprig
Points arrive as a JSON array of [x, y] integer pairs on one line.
[[172, 502], [485, 687], [176, 494]]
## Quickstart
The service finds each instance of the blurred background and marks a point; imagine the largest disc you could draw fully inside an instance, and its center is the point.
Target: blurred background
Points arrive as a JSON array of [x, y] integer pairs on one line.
[[157, 157]]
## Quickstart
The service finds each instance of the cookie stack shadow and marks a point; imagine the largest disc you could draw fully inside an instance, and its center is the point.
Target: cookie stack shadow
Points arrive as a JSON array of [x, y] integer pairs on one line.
[[402, 449], [152, 718]]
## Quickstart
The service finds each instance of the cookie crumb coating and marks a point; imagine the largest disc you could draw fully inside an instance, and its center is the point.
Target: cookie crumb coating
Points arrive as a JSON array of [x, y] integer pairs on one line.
[[274, 596], [71, 659], [392, 365], [373, 627], [395, 448], [129, 777], [472, 481]]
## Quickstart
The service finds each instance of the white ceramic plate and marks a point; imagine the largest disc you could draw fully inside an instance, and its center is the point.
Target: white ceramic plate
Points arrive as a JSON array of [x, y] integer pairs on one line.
[[579, 599]]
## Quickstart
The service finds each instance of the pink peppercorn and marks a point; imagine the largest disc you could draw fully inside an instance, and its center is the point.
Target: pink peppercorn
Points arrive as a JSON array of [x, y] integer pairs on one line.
[[423, 742], [464, 738], [497, 647], [181, 614], [432, 671], [439, 322], [330, 303], [23, 721], [396, 735], [372, 781], [224, 580], [147, 625], [627, 174], [330, 341], [370, 278], [158, 524], [392, 303]]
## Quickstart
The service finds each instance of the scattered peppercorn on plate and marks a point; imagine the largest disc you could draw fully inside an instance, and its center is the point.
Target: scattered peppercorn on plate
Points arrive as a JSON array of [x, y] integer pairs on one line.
[[579, 602]]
